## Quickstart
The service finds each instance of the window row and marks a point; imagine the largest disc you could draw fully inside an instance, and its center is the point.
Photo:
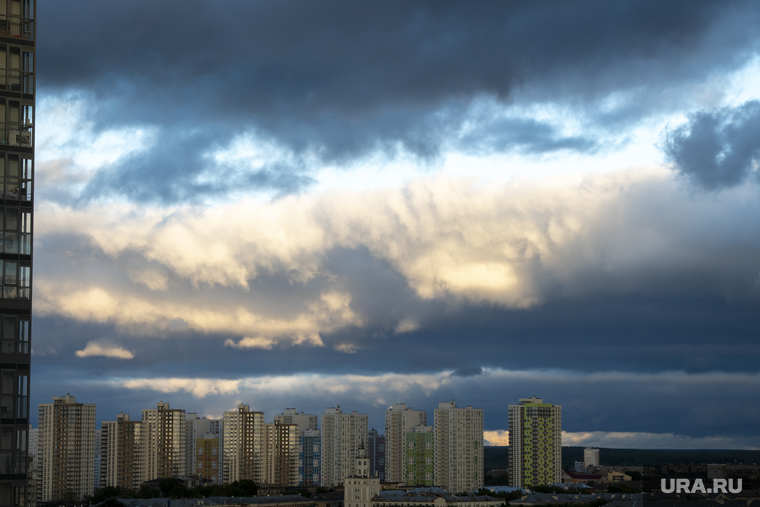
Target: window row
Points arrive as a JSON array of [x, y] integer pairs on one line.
[[16, 280], [14, 395], [15, 335], [16, 120], [15, 231], [15, 174]]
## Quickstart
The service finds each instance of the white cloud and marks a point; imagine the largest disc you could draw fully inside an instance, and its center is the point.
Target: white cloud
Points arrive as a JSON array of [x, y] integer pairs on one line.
[[95, 349], [199, 388], [516, 245], [248, 342]]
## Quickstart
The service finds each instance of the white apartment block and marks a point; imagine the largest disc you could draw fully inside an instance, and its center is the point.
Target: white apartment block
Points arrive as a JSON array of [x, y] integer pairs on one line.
[[399, 420], [66, 445], [458, 447], [535, 443], [590, 458], [342, 435], [162, 443], [243, 446]]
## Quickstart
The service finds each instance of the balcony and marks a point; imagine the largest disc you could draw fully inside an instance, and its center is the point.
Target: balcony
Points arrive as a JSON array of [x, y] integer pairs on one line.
[[17, 27], [16, 80]]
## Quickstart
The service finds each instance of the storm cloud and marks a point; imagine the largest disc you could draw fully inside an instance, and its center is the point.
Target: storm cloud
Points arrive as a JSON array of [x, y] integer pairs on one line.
[[310, 204], [718, 149]]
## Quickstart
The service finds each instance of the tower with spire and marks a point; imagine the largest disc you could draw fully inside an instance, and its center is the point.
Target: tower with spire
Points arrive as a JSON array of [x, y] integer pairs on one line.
[[360, 489]]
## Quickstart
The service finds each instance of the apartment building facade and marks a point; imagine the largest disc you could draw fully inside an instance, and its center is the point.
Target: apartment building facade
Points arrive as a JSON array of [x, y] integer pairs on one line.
[[67, 450], [458, 434], [535, 443], [162, 443], [244, 437], [342, 435], [17, 139], [120, 453], [419, 457], [399, 420]]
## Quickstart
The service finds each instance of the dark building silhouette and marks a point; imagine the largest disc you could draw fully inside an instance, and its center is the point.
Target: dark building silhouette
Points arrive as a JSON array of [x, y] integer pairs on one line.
[[17, 99]]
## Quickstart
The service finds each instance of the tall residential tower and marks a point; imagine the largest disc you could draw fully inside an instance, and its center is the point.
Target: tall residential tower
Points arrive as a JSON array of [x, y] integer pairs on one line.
[[458, 448], [535, 443], [399, 420], [67, 450], [342, 436], [17, 100]]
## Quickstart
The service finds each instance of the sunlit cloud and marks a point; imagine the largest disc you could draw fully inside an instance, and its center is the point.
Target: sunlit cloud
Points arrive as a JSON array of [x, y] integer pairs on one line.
[[514, 245], [94, 349]]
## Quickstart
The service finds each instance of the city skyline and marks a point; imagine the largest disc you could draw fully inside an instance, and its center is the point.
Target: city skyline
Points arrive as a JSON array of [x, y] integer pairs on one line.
[[305, 205]]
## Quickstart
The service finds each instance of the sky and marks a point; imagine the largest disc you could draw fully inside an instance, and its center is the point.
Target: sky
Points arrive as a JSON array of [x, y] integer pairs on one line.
[[311, 204]]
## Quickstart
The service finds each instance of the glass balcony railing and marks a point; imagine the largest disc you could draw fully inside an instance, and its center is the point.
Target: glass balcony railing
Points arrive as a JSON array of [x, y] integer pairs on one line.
[[16, 81], [17, 27]]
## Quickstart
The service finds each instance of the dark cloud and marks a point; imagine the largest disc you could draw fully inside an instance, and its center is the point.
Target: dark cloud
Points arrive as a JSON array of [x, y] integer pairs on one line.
[[718, 149], [525, 135], [467, 371], [339, 79]]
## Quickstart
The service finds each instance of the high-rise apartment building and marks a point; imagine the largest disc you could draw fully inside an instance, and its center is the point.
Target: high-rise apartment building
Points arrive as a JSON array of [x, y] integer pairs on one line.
[[310, 458], [535, 443], [281, 454], [243, 447], [458, 447], [399, 420], [162, 442], [17, 120], [207, 452], [419, 457], [342, 435], [376, 453], [120, 453], [67, 450], [196, 427]]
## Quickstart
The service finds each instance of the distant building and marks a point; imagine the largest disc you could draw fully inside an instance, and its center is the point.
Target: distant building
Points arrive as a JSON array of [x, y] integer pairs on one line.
[[590, 458], [399, 420], [207, 452], [196, 428], [34, 464], [535, 443], [243, 447], [120, 453], [458, 447], [303, 421], [67, 449], [359, 488], [281, 454], [376, 452], [163, 442], [309, 458], [419, 456], [342, 435]]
